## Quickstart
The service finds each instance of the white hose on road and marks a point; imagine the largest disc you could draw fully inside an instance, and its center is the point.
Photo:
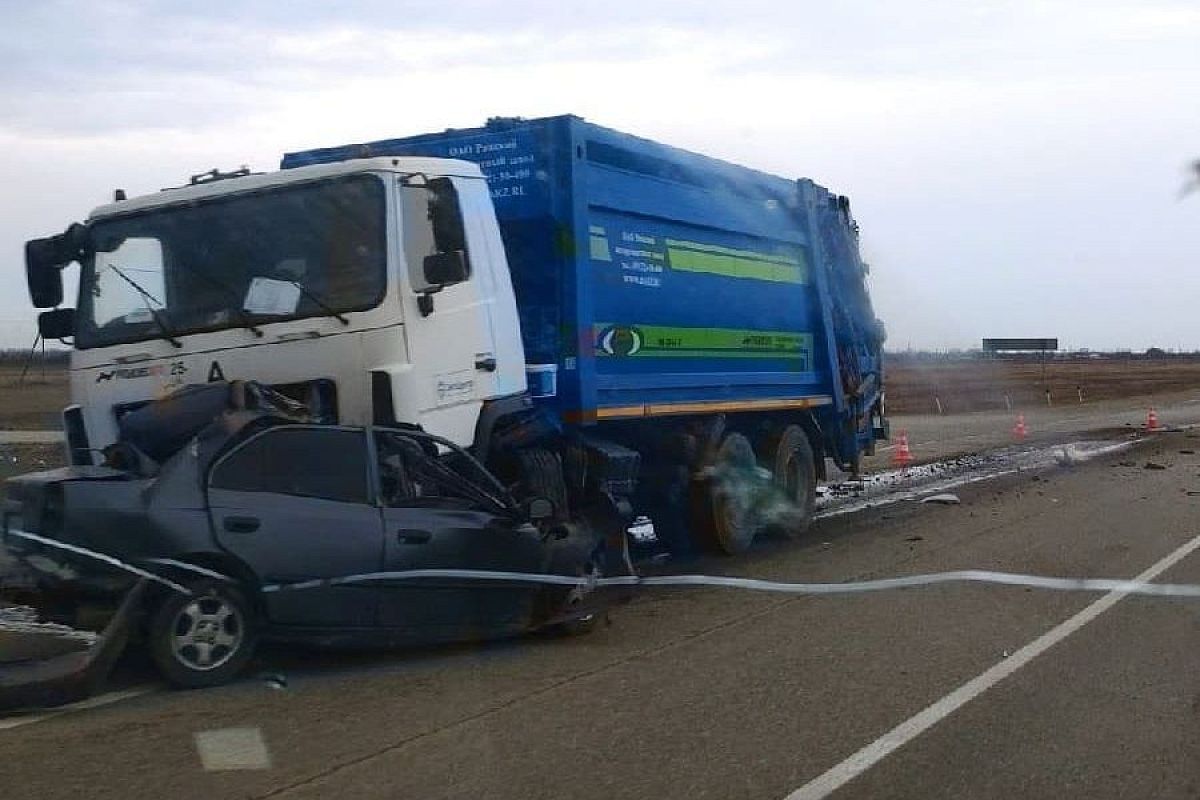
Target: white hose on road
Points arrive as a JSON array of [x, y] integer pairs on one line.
[[758, 585], [677, 581]]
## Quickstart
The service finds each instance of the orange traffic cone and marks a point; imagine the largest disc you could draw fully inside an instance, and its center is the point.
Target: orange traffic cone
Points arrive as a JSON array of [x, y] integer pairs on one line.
[[1152, 421], [1020, 430], [903, 456]]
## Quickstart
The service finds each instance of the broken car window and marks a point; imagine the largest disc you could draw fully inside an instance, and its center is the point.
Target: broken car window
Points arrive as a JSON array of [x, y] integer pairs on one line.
[[412, 472]]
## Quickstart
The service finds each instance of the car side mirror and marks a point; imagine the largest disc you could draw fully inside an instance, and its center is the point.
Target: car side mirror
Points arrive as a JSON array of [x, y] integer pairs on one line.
[[57, 324]]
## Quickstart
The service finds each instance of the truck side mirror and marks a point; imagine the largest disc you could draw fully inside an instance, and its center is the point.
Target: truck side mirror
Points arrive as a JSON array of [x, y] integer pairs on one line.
[[445, 213], [57, 324], [444, 269], [45, 260]]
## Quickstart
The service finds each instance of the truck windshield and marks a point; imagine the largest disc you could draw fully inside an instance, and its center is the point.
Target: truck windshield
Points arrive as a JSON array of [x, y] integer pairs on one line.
[[300, 251]]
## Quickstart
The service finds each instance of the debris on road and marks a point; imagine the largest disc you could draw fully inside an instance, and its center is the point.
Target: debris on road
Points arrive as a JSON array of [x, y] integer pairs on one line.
[[274, 680], [1153, 465], [913, 482], [77, 669], [946, 499], [23, 637], [1065, 457]]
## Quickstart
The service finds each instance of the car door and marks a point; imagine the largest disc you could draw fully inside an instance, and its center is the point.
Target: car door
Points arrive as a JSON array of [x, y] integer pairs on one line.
[[295, 504], [431, 523]]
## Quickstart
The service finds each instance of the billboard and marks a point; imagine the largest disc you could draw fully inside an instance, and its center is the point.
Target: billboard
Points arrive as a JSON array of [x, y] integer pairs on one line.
[[1018, 345]]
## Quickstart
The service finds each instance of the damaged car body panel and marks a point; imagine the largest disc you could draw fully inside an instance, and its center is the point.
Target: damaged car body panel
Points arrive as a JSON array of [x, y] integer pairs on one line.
[[307, 529], [66, 677]]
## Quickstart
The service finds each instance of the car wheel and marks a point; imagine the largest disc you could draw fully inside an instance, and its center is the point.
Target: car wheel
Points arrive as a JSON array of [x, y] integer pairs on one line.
[[203, 639]]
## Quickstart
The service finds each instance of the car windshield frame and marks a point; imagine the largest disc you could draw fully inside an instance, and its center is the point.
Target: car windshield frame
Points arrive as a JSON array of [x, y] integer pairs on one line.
[[368, 232]]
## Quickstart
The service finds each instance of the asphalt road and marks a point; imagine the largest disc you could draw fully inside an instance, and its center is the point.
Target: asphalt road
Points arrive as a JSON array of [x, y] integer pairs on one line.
[[728, 694], [934, 436]]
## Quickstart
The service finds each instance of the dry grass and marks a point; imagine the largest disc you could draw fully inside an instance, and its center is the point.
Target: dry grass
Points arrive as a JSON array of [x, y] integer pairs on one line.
[[979, 385], [35, 403]]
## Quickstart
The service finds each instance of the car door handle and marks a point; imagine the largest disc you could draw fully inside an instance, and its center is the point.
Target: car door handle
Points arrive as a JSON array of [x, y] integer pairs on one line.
[[242, 524], [485, 364], [413, 537]]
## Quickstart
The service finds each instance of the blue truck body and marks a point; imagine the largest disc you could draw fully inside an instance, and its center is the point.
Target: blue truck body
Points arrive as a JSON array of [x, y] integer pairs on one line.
[[663, 282]]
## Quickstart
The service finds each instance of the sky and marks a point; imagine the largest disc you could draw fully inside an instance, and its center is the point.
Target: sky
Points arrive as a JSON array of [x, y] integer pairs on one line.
[[1017, 168]]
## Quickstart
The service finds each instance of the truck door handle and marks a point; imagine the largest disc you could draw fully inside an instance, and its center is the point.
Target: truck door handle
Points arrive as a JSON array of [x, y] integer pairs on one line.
[[413, 537], [486, 364], [242, 524]]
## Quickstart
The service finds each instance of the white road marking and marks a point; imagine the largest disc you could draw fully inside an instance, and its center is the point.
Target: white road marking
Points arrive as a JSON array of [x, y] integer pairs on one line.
[[232, 748], [836, 777], [82, 705]]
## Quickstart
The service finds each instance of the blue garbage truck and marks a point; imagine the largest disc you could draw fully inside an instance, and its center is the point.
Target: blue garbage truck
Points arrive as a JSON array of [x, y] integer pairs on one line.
[[587, 312]]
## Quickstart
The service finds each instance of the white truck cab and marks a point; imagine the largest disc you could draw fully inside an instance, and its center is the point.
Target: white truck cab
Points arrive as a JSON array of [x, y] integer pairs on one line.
[[375, 289]]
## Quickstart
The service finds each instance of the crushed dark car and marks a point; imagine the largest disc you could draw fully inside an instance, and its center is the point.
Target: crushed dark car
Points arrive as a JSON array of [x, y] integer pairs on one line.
[[256, 522]]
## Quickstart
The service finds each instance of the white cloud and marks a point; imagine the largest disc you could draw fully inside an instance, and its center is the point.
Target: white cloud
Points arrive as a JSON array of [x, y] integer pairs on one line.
[[1014, 164]]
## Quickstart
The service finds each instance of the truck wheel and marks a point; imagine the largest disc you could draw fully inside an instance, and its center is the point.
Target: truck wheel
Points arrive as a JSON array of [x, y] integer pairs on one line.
[[795, 476], [203, 639], [542, 474], [728, 498]]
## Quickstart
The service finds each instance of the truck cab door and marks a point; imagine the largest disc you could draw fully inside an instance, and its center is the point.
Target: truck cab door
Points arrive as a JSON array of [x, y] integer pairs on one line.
[[447, 310], [294, 504]]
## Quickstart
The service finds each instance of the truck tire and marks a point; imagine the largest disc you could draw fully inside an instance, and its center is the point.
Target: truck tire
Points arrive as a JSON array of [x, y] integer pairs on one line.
[[203, 639], [794, 474], [726, 500], [542, 476]]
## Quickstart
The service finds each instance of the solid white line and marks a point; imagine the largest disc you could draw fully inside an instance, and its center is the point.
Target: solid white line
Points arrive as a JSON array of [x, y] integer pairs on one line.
[[82, 705], [841, 774]]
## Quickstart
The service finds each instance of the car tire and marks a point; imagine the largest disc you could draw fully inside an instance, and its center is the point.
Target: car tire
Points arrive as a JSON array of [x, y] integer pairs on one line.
[[205, 638]]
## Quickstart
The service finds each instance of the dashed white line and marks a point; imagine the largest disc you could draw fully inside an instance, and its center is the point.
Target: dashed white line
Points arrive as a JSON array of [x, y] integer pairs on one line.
[[232, 749], [831, 780]]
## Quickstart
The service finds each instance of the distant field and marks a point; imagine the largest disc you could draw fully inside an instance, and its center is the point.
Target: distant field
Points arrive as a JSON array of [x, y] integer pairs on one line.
[[979, 385], [37, 402], [976, 385]]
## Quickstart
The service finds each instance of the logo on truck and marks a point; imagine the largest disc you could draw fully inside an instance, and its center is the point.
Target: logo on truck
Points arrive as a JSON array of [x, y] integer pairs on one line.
[[619, 340], [795, 347], [175, 368]]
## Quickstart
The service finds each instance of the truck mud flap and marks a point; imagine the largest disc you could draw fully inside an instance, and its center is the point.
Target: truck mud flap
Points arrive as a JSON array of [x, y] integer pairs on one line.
[[72, 676]]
